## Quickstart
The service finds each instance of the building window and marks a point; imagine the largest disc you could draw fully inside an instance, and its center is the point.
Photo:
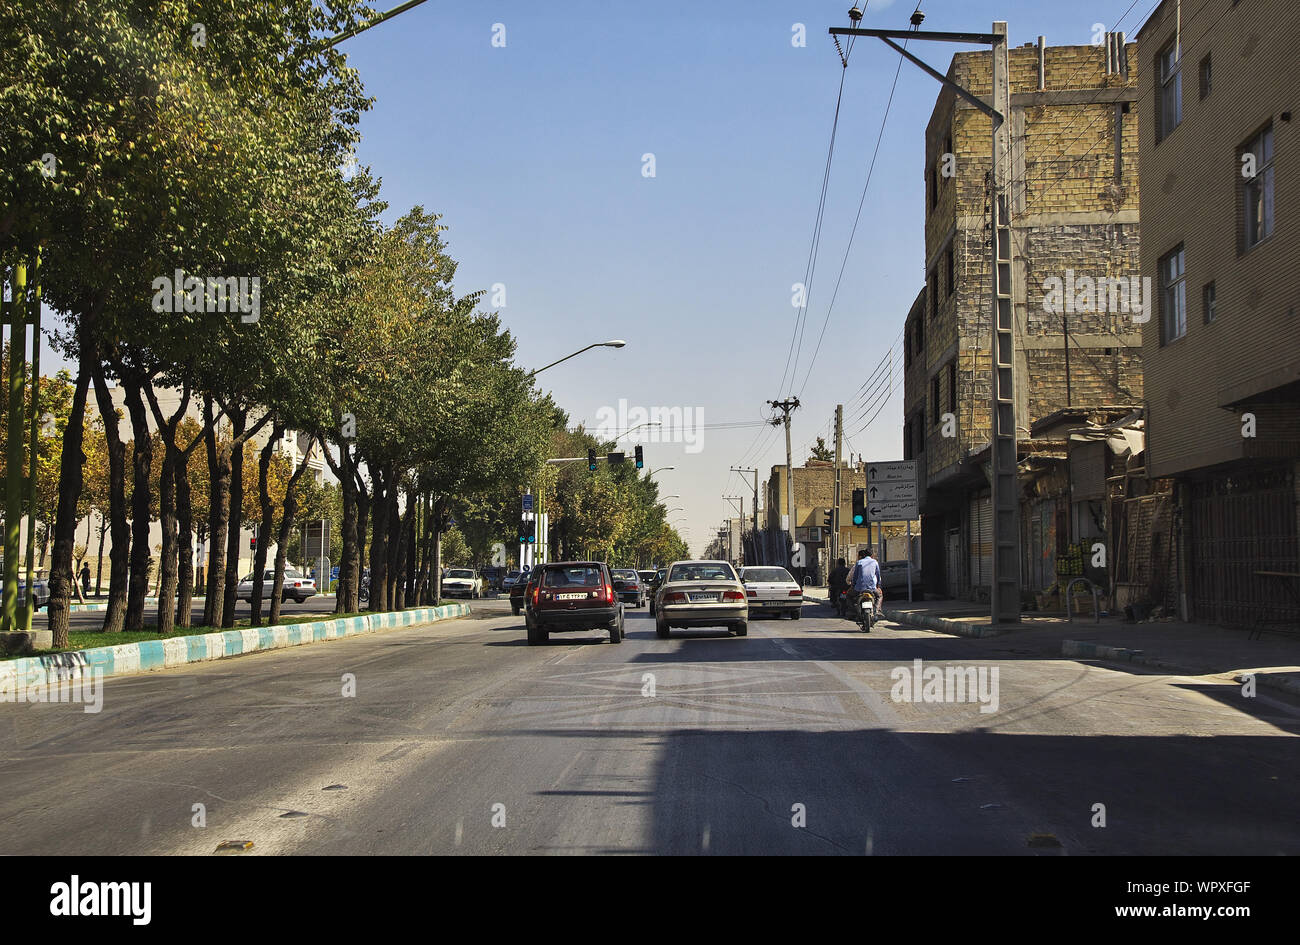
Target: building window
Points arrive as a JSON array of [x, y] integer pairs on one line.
[[952, 269], [1258, 190], [1173, 296], [932, 285], [907, 346], [934, 186], [934, 400], [952, 387], [1207, 302], [907, 439], [918, 430], [920, 336], [1206, 72], [1170, 107]]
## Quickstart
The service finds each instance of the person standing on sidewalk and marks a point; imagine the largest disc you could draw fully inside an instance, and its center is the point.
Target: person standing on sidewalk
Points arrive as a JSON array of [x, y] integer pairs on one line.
[[85, 578]]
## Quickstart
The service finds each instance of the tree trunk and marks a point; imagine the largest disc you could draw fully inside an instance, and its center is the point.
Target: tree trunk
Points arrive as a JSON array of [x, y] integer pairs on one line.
[[99, 560], [185, 543], [234, 524], [219, 474], [61, 575], [393, 539], [286, 526], [378, 545], [402, 524], [264, 530], [345, 597], [141, 493], [119, 529]]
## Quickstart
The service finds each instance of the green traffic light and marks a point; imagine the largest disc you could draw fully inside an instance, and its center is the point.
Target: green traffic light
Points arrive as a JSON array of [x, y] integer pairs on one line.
[[857, 520]]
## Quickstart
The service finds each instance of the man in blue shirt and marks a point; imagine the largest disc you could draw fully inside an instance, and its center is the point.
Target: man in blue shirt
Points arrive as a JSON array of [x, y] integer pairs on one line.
[[865, 578]]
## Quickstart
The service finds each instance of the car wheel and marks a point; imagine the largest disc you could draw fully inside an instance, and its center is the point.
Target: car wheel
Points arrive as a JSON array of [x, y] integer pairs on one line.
[[796, 614], [742, 629], [616, 632], [533, 637], [661, 630]]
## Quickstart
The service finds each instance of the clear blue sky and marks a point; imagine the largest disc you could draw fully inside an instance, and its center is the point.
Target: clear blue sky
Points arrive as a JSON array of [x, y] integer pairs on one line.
[[533, 154]]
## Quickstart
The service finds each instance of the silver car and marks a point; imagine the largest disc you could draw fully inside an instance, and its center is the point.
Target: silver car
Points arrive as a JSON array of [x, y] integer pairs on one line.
[[297, 586], [701, 594]]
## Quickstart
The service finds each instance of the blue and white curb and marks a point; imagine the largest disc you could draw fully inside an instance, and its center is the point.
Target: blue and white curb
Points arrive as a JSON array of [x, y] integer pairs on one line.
[[148, 655], [939, 624]]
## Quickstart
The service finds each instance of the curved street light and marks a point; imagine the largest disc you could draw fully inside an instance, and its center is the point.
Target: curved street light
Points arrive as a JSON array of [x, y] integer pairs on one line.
[[651, 473], [616, 343]]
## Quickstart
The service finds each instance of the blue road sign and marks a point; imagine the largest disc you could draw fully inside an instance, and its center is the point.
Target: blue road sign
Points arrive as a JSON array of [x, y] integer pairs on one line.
[[528, 503]]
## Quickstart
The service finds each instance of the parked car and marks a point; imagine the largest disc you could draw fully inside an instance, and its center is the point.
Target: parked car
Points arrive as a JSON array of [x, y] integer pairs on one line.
[[628, 586], [512, 577], [567, 596], [893, 580], [771, 590], [462, 582], [701, 594], [40, 590], [660, 575], [297, 586]]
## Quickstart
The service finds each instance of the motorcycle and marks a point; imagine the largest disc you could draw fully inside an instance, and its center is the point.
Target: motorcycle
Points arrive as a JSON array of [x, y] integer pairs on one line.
[[865, 612]]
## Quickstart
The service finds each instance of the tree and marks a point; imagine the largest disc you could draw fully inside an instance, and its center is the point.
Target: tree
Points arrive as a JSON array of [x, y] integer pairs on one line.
[[820, 451]]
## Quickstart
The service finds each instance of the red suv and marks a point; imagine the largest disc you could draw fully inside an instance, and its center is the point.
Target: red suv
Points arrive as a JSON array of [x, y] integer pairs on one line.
[[572, 595]]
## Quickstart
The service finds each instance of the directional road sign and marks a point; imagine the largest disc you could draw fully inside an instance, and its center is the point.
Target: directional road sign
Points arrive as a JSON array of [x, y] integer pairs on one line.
[[891, 491]]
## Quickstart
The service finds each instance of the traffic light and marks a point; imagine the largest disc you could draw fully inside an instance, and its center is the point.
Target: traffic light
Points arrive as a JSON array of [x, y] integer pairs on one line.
[[640, 460], [591, 460], [252, 544], [859, 507], [829, 520], [531, 531]]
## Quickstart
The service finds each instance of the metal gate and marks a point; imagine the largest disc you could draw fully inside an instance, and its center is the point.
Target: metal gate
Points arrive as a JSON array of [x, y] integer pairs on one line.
[[952, 562], [1237, 525], [981, 541]]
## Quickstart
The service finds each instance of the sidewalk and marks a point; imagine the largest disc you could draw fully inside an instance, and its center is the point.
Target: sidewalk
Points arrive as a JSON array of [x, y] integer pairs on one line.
[[1184, 649]]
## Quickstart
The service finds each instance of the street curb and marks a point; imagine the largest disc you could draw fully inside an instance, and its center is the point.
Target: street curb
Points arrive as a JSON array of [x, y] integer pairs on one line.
[[148, 655], [103, 605], [939, 624], [1098, 651]]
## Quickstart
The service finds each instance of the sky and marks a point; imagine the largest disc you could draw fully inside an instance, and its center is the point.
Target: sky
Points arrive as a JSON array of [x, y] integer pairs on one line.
[[535, 154]]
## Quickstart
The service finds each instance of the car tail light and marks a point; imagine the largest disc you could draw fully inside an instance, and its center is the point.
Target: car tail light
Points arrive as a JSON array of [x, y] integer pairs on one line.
[[732, 595], [751, 593], [607, 593], [535, 593], [796, 593], [674, 597]]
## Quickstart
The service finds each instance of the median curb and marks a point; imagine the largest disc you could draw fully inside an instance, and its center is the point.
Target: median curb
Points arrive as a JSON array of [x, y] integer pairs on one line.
[[939, 624], [1097, 651], [148, 655]]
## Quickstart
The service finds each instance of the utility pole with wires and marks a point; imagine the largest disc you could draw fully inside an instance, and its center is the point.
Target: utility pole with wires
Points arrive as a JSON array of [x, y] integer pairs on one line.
[[1005, 584], [835, 515], [786, 406]]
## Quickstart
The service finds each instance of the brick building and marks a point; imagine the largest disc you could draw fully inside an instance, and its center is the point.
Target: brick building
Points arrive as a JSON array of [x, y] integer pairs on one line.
[[1222, 247], [1073, 208]]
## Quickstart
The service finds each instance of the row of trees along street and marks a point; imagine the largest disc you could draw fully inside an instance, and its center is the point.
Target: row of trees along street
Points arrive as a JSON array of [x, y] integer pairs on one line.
[[131, 152]]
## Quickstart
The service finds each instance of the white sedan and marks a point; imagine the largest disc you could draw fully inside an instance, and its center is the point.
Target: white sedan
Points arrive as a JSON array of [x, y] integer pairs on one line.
[[701, 594], [462, 582], [770, 590]]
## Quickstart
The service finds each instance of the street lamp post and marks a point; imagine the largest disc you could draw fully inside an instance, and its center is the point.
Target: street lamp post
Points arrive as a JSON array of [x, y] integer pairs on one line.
[[616, 343]]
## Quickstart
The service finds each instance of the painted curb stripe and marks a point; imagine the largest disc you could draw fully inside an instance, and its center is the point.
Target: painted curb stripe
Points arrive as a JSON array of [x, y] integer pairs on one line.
[[126, 658]]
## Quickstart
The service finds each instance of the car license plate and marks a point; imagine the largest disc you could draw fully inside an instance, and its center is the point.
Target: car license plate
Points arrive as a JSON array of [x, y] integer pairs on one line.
[[704, 597], [581, 596]]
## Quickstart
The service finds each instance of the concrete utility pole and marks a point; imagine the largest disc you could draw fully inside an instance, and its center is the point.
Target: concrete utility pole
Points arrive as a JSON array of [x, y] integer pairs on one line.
[[755, 472], [786, 406], [741, 500], [835, 515], [1005, 586]]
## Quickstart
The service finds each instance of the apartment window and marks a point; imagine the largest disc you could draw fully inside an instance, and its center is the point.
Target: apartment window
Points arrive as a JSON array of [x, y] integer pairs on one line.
[[952, 387], [920, 336], [934, 400], [934, 186], [952, 269], [1207, 302], [1258, 190], [932, 285], [1170, 107], [1206, 72], [1173, 296], [907, 346], [918, 430], [907, 439]]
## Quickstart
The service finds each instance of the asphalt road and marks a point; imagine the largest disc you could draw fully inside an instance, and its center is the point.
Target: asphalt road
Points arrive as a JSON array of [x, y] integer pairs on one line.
[[94, 619], [461, 738]]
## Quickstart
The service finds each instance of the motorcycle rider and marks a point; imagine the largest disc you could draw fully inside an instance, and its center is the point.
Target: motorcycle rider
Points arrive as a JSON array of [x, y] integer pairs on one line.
[[837, 581], [865, 579]]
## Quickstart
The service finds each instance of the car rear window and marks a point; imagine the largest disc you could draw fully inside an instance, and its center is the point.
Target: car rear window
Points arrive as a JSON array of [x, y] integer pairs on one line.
[[573, 576], [702, 572], [767, 574], [624, 575]]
